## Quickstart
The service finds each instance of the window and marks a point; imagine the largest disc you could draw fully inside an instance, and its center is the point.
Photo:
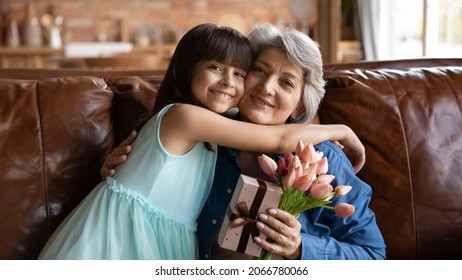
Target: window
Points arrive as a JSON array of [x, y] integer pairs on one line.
[[420, 28]]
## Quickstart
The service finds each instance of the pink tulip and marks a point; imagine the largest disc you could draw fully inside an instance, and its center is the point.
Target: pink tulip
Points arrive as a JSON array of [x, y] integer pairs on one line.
[[282, 167], [325, 178], [342, 190], [298, 172], [288, 157], [299, 148], [309, 154], [321, 191], [344, 210], [267, 164], [289, 179], [303, 182], [311, 171], [323, 166], [295, 162], [318, 156], [305, 165]]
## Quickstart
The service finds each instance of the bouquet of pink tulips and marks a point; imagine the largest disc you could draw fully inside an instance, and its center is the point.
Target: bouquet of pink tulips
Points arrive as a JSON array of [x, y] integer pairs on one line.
[[305, 183]]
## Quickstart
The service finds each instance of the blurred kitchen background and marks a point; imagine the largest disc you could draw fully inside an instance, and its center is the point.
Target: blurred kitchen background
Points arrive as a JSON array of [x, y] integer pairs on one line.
[[143, 33]]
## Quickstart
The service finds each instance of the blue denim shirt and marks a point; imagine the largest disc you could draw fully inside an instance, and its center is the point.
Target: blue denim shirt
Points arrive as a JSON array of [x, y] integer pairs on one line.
[[324, 235]]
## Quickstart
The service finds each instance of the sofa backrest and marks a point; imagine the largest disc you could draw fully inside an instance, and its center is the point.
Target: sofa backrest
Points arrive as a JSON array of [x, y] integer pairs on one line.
[[56, 128], [409, 118], [52, 141]]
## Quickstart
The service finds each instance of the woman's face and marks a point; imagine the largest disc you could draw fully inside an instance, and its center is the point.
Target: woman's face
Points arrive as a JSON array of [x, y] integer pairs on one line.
[[272, 89], [217, 86]]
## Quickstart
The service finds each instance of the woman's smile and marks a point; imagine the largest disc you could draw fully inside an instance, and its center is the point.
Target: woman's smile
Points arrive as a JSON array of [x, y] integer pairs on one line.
[[273, 88], [261, 101]]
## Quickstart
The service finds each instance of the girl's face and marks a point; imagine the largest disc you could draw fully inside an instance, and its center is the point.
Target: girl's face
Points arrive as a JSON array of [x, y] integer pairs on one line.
[[273, 89], [217, 86]]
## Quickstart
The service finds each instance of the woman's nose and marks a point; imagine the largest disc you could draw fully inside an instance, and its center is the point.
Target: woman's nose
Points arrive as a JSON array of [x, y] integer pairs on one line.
[[268, 86]]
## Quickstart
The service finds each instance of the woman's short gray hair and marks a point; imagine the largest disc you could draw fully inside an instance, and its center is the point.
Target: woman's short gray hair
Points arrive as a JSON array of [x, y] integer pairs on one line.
[[302, 51]]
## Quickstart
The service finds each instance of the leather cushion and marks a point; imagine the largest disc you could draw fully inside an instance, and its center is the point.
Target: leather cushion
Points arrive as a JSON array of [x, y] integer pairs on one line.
[[134, 97], [410, 123], [54, 134]]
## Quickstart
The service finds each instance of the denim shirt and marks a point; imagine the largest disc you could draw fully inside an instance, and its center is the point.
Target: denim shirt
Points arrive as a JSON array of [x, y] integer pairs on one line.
[[324, 235]]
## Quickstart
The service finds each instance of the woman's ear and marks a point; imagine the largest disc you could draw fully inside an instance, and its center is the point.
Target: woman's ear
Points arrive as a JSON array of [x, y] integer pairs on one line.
[[299, 113]]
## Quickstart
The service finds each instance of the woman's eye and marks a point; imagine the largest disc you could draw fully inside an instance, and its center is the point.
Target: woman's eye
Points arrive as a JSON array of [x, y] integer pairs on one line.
[[258, 69], [288, 84]]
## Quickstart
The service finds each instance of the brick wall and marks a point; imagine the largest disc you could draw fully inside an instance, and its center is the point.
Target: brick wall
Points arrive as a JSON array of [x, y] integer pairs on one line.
[[123, 20]]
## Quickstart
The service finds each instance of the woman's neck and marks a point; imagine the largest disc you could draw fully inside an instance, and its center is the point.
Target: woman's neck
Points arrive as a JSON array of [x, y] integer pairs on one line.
[[248, 160], [249, 163]]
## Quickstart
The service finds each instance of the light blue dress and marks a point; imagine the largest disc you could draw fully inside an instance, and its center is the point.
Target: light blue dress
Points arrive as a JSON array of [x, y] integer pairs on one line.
[[148, 210]]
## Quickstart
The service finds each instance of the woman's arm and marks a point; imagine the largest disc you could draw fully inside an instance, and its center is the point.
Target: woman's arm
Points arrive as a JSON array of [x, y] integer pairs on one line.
[[193, 123], [117, 156]]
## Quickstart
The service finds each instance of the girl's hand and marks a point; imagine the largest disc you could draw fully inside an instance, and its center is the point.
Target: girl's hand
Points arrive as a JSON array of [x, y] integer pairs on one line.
[[117, 156], [353, 149], [284, 230]]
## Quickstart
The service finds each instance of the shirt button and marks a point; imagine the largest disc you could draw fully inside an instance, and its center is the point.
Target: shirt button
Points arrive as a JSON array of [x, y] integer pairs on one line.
[[206, 256], [229, 191], [214, 221]]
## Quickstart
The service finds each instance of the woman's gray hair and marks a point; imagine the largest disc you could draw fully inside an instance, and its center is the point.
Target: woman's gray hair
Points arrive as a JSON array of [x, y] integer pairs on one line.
[[302, 51]]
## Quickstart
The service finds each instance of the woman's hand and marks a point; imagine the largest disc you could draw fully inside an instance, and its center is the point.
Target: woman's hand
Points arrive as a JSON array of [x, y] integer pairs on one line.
[[284, 230], [353, 149], [117, 156]]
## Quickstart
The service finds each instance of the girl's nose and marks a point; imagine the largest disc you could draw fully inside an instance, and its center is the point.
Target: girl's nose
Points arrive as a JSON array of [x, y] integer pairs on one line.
[[227, 80]]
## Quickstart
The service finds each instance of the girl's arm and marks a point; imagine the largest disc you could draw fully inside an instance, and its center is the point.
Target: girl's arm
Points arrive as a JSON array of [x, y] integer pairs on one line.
[[185, 125]]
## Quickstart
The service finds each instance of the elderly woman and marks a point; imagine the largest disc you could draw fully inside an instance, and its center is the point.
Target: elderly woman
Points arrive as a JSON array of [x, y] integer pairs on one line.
[[285, 85]]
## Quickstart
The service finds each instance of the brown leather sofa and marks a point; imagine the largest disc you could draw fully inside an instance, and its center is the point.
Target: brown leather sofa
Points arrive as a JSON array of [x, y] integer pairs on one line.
[[56, 126]]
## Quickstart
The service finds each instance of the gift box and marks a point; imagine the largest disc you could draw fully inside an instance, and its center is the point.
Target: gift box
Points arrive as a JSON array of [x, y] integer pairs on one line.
[[251, 197]]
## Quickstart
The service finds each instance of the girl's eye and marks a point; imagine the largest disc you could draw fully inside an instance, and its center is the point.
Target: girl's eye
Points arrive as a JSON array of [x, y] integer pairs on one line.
[[215, 67], [240, 74]]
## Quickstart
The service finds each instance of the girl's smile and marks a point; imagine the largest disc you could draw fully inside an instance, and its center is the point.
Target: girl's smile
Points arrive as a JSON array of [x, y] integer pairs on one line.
[[217, 86]]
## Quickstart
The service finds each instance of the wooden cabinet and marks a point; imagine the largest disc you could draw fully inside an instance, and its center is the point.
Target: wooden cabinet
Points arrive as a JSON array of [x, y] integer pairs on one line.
[[329, 33], [45, 57], [28, 57]]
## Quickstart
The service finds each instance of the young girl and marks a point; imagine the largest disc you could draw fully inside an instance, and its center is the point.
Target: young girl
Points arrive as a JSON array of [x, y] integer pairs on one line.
[[149, 208]]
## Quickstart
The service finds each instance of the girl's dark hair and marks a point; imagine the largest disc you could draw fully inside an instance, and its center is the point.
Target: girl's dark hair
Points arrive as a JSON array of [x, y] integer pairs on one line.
[[204, 42]]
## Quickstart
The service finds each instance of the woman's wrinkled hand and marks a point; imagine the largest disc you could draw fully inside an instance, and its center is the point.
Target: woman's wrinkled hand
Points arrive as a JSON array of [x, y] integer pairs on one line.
[[283, 230], [117, 156]]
